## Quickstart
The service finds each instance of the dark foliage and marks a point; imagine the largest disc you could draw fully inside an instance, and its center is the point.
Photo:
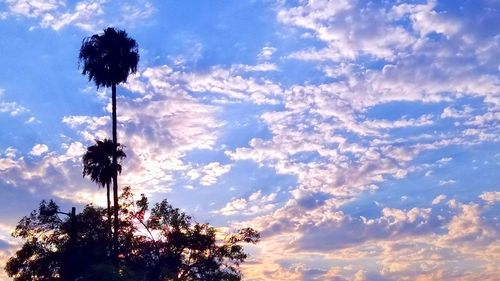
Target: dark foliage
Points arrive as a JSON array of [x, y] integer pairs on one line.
[[108, 58], [158, 243], [98, 161], [98, 165], [49, 253]]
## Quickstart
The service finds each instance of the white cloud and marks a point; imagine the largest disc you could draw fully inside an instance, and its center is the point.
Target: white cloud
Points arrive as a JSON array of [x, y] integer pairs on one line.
[[348, 28], [406, 244], [256, 203], [34, 8], [227, 82], [426, 20], [468, 227], [450, 112], [10, 152], [490, 197], [50, 171], [11, 108], [444, 161], [263, 67], [158, 128], [424, 120], [447, 182], [8, 163], [97, 197], [440, 198], [326, 135], [93, 123], [267, 52], [234, 207], [75, 150], [39, 149], [88, 15], [136, 11], [208, 174]]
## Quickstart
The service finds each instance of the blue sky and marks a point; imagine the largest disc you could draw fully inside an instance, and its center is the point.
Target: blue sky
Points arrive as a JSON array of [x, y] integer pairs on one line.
[[362, 139]]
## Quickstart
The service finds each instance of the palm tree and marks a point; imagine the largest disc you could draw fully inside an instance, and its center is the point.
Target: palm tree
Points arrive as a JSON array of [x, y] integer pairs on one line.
[[108, 58], [98, 165]]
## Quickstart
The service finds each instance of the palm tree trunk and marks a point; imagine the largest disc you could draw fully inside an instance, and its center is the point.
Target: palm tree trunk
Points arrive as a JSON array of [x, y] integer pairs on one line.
[[115, 174], [110, 224]]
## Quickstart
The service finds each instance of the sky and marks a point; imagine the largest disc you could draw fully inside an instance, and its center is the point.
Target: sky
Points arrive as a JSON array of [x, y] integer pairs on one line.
[[361, 138]]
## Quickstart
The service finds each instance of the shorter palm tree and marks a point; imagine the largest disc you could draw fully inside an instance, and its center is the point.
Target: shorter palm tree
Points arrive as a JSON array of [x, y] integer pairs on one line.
[[98, 165]]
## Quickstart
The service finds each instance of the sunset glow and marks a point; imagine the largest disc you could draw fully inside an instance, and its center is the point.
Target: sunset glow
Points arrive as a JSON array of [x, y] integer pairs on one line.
[[361, 138]]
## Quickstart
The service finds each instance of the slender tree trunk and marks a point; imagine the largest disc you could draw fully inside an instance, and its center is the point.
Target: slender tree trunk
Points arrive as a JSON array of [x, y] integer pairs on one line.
[[115, 174], [110, 223], [70, 269]]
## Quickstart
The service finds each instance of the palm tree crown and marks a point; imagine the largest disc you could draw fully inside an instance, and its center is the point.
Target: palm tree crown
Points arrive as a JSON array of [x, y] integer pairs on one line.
[[108, 58], [98, 161], [98, 165]]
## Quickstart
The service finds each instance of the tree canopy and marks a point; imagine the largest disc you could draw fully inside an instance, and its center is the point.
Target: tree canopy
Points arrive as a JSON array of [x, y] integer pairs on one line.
[[98, 161], [109, 57], [158, 243]]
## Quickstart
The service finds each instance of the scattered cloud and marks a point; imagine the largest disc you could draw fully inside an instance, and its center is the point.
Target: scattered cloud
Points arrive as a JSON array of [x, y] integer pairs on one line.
[[208, 174], [267, 53], [39, 149], [88, 15], [447, 182], [256, 203], [440, 198], [12, 108], [395, 82], [490, 197]]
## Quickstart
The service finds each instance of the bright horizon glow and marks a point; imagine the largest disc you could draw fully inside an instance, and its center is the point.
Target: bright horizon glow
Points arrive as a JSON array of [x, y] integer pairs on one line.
[[362, 139]]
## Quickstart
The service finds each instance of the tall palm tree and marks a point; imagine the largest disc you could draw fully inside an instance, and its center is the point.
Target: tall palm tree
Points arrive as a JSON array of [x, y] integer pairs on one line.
[[108, 58], [98, 165]]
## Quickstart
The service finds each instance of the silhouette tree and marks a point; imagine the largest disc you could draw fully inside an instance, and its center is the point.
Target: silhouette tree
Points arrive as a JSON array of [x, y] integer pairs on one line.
[[169, 245], [98, 165], [173, 247], [108, 58], [60, 249]]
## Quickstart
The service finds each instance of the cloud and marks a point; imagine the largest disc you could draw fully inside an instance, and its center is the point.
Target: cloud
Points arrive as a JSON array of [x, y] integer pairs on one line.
[[208, 174], [227, 82], [82, 197], [158, 127], [35, 8], [47, 172], [39, 149], [424, 120], [490, 197], [233, 207], [267, 52], [438, 199], [450, 112], [393, 76], [348, 28], [419, 244], [8, 163], [349, 231], [335, 138], [88, 15], [91, 122], [256, 203], [444, 161], [468, 227], [447, 182], [12, 108]]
